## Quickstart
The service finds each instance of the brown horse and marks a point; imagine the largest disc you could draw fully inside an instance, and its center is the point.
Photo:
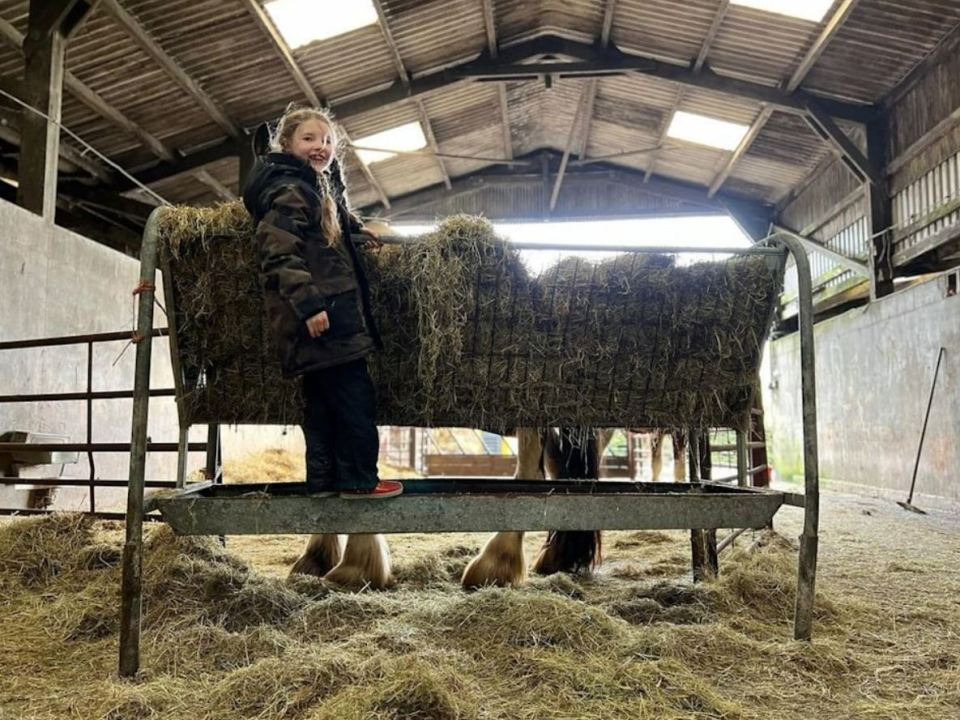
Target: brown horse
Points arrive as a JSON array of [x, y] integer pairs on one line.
[[563, 454]]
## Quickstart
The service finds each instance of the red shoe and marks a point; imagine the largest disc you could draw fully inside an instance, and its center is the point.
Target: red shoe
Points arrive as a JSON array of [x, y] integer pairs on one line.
[[384, 489]]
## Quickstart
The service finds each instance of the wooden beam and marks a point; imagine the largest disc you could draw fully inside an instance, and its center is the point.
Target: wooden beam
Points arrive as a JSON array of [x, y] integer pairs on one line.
[[943, 50], [172, 68], [96, 103], [880, 214], [423, 85], [505, 121], [432, 140], [266, 25], [72, 160], [711, 35], [52, 17], [594, 61], [813, 245], [40, 134], [584, 109], [813, 54], [830, 28], [692, 196], [755, 128], [607, 26], [662, 138], [391, 43], [753, 219], [490, 26], [851, 156], [222, 191]]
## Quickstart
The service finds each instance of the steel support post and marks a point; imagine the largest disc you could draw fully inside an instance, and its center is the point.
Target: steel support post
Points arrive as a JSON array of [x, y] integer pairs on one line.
[[807, 569], [131, 590]]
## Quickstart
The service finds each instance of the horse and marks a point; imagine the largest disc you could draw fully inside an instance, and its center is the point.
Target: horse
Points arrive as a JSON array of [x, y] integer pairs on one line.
[[563, 454]]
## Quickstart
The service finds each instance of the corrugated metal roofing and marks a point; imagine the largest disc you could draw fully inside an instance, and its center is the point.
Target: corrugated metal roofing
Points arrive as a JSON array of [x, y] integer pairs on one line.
[[221, 46]]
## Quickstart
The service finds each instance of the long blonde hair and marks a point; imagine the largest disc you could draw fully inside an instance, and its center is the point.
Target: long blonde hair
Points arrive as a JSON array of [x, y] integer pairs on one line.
[[293, 118]]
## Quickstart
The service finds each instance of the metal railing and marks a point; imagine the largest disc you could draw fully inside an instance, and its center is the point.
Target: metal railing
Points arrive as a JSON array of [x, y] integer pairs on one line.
[[88, 447]]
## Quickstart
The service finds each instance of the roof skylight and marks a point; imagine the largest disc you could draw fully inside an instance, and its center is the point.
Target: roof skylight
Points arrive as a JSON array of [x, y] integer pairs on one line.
[[812, 10], [305, 21], [704, 130], [403, 138]]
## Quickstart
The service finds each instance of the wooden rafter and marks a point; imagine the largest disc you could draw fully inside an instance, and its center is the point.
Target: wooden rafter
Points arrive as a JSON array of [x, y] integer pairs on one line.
[[662, 138], [405, 79], [581, 121], [95, 102], [830, 28], [490, 27], [218, 187], [280, 45], [607, 25], [756, 126], [505, 121], [711, 35], [391, 43], [432, 140], [136, 31]]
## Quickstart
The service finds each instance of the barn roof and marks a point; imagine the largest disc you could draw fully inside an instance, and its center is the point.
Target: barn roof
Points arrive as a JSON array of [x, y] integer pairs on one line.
[[170, 89]]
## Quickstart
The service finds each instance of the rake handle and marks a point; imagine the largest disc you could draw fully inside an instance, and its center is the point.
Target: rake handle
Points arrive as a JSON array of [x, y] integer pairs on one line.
[[923, 432]]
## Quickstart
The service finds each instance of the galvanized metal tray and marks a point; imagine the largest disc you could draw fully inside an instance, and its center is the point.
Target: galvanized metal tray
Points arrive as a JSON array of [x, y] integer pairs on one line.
[[468, 505]]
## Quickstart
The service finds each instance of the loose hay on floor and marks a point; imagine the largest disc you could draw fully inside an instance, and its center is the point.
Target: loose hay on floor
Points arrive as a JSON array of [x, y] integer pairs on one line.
[[222, 640]]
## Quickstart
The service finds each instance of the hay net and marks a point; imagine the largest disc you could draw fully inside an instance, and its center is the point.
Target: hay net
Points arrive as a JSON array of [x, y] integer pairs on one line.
[[472, 339]]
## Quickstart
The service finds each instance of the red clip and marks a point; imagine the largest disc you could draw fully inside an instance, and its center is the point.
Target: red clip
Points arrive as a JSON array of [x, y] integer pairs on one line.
[[143, 286]]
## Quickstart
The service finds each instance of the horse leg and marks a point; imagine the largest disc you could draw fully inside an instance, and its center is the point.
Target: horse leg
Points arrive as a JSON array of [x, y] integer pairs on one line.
[[679, 455], [321, 554], [656, 454], [499, 563], [365, 563], [571, 458], [501, 560]]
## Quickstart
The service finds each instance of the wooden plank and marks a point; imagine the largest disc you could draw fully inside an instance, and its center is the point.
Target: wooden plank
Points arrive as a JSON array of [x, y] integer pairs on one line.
[[755, 128], [490, 27], [40, 136], [469, 465], [607, 25]]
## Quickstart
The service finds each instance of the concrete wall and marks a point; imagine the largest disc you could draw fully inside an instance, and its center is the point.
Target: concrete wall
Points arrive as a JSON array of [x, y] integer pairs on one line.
[[874, 369], [54, 282]]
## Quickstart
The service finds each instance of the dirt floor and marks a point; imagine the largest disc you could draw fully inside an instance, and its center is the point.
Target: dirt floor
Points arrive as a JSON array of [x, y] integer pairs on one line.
[[226, 636]]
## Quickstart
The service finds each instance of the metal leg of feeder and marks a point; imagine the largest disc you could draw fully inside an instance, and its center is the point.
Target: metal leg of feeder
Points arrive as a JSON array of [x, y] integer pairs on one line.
[[807, 566], [703, 542], [742, 461], [182, 452], [131, 590]]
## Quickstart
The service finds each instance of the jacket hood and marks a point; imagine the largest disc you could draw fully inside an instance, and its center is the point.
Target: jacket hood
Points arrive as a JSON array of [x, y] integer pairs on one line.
[[276, 169]]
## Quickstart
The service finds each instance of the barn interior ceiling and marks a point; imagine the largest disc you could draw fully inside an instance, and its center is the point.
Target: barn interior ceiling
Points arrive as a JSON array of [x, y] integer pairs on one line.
[[666, 107]]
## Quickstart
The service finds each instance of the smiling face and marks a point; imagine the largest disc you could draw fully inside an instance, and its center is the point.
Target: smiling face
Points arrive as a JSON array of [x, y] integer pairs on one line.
[[315, 143]]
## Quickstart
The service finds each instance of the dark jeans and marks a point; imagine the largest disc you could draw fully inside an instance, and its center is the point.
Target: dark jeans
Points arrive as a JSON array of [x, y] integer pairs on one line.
[[340, 428]]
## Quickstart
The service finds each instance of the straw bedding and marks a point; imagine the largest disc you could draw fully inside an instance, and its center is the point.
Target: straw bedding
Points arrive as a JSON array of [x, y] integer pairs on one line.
[[472, 340], [224, 641]]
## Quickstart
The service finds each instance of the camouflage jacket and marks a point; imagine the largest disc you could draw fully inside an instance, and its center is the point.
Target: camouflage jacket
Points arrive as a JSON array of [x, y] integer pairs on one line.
[[301, 275]]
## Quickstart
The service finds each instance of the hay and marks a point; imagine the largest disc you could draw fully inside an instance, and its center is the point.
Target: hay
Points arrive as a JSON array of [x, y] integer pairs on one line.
[[472, 340], [224, 642]]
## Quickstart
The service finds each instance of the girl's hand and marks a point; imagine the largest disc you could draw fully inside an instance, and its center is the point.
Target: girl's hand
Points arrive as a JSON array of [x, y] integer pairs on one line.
[[318, 324], [374, 242]]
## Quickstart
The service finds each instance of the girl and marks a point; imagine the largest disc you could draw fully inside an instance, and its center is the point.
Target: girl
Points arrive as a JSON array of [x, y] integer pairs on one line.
[[318, 302]]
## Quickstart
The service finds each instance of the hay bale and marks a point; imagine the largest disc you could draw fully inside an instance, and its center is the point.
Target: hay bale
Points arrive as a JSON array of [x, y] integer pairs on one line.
[[472, 340]]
